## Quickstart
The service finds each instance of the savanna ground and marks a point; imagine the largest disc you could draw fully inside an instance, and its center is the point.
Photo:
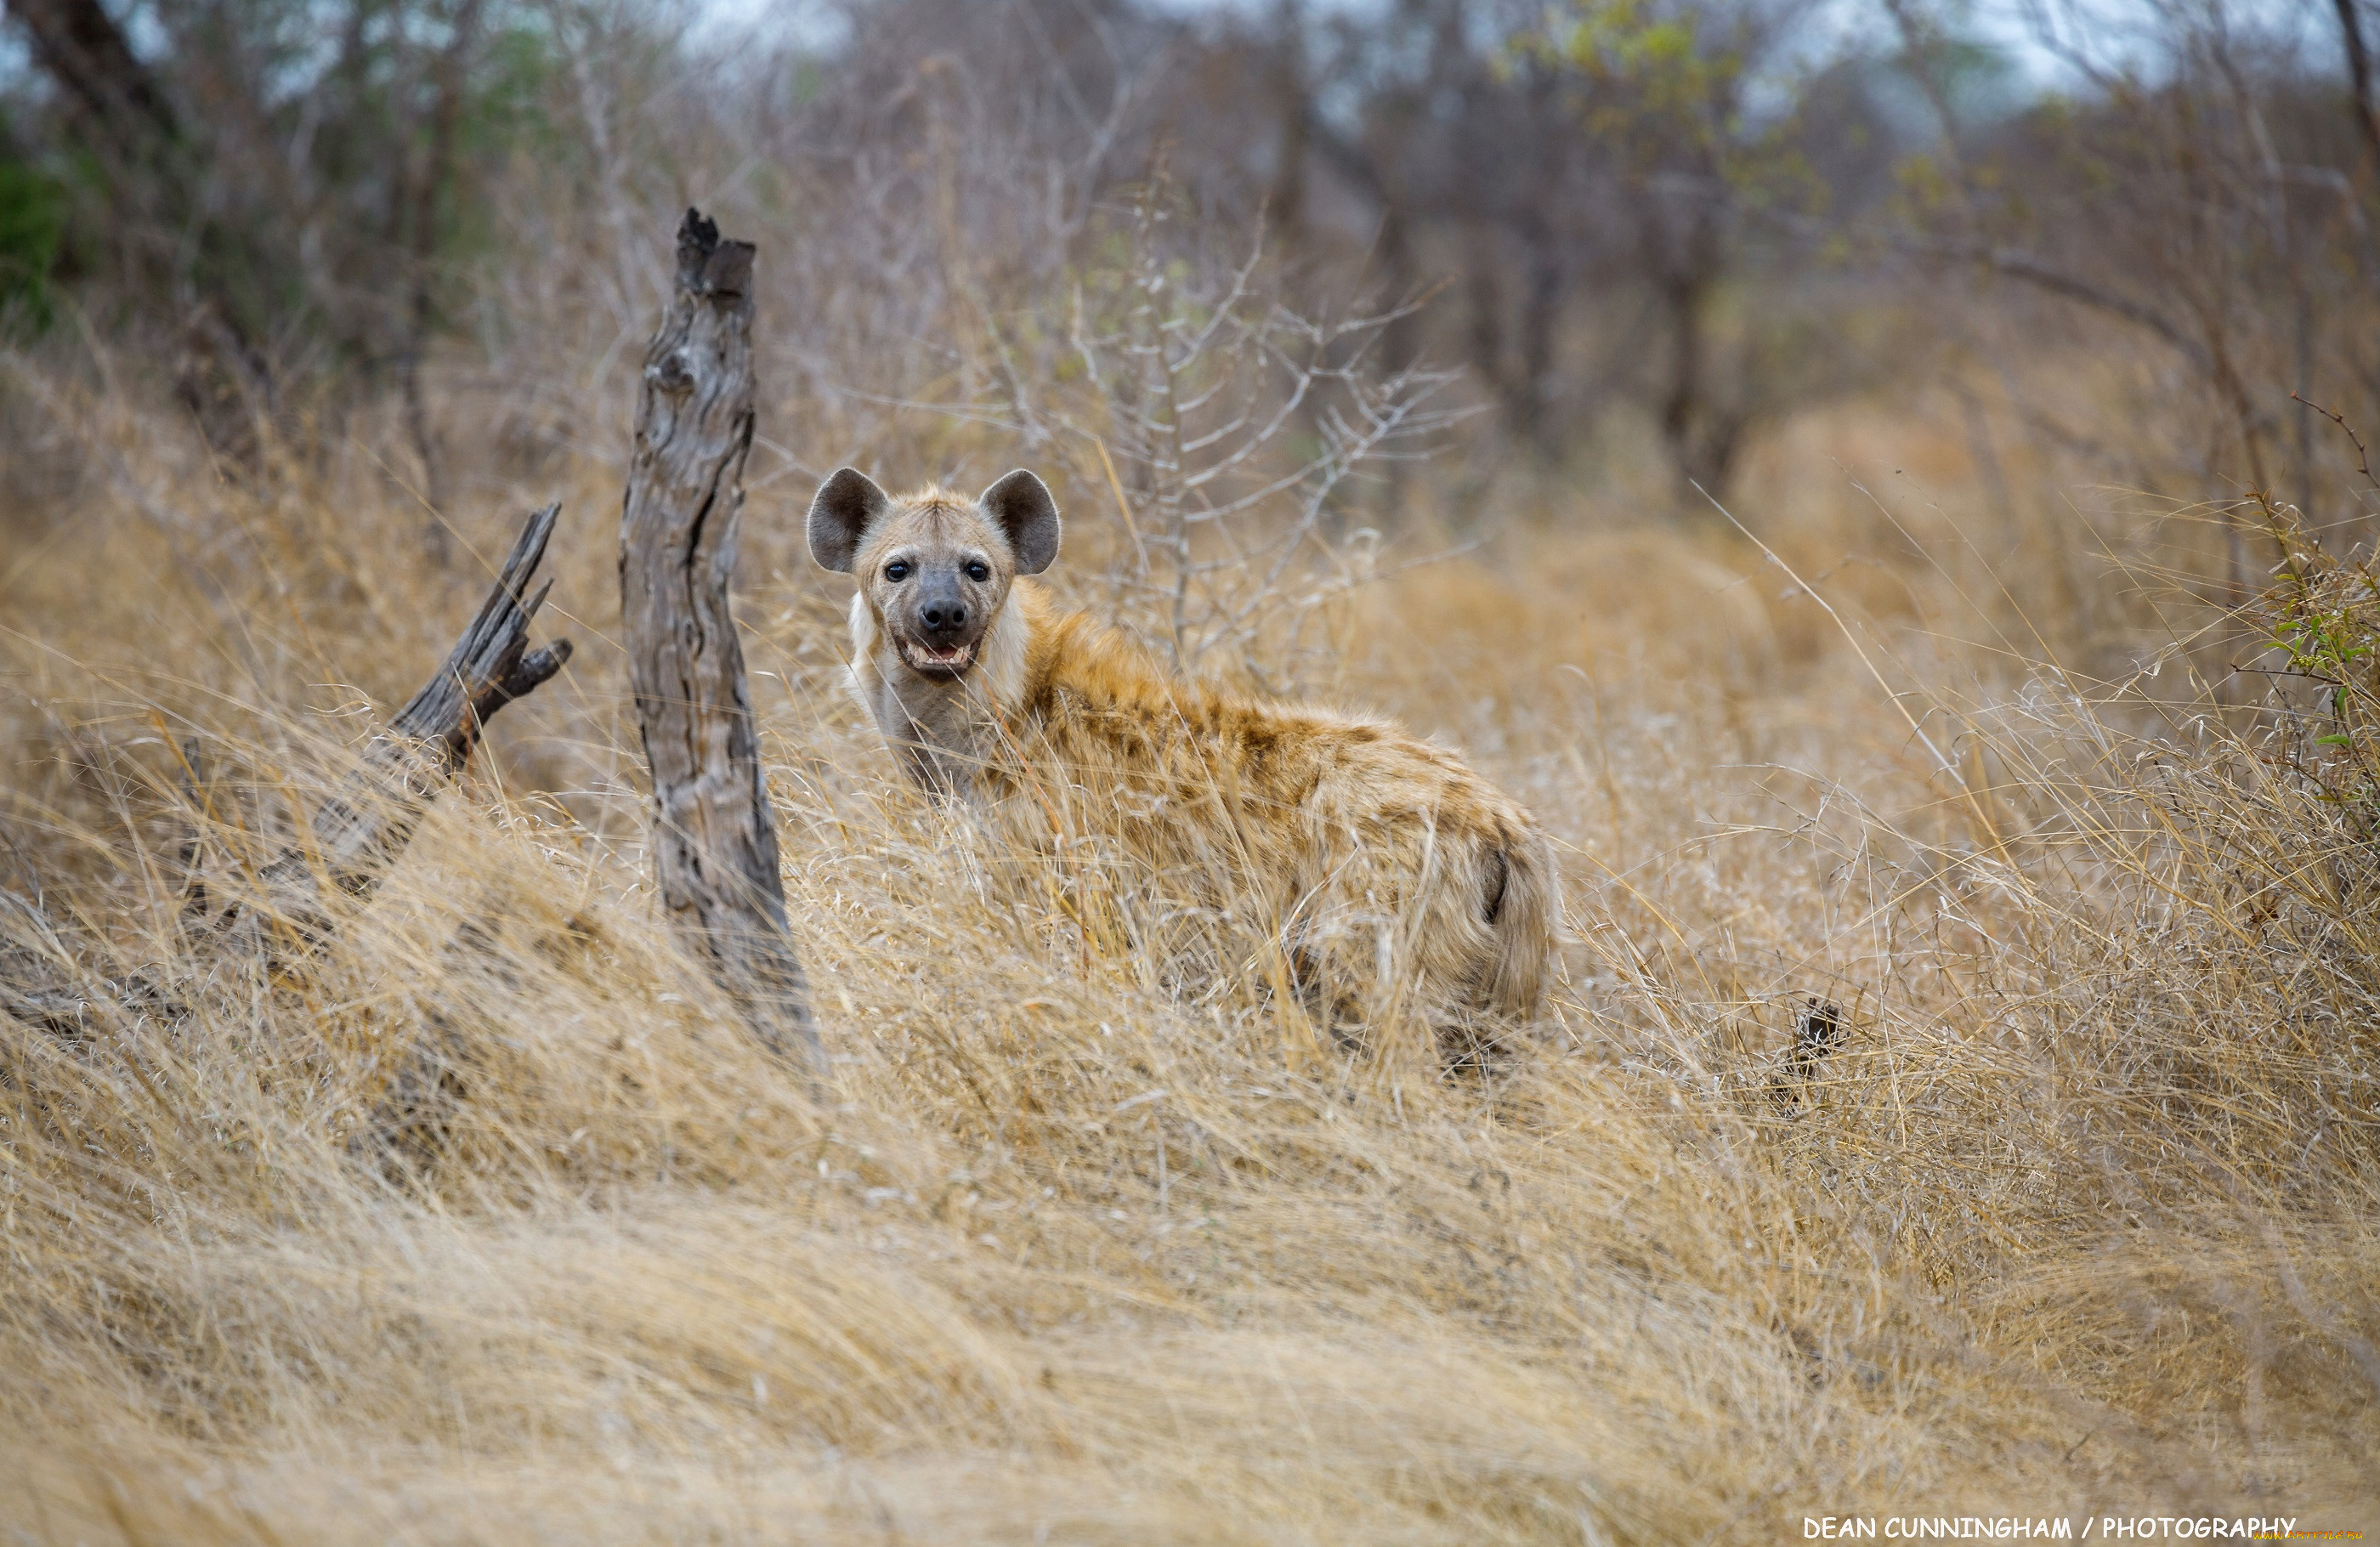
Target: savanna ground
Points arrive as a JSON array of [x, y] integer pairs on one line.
[[488, 1223]]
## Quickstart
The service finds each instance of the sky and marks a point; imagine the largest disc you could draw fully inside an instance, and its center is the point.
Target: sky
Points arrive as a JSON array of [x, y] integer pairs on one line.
[[2114, 33], [2108, 33]]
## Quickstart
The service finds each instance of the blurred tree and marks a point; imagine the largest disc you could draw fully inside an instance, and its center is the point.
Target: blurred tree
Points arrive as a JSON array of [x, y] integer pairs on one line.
[[2357, 52], [1591, 177], [2210, 191], [1664, 93], [276, 188], [1680, 218], [123, 135], [32, 220]]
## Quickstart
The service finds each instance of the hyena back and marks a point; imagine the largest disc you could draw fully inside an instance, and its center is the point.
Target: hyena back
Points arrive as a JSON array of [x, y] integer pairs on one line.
[[1399, 881]]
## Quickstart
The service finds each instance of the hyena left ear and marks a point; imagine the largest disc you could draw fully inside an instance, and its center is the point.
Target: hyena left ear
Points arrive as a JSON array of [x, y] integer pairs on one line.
[[846, 506], [1022, 506]]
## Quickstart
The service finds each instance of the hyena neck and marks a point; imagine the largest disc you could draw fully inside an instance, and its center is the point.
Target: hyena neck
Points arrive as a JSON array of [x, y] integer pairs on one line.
[[944, 732], [1076, 658]]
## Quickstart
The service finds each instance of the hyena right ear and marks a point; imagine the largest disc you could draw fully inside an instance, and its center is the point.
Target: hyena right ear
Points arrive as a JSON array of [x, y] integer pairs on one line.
[[846, 506], [1022, 506]]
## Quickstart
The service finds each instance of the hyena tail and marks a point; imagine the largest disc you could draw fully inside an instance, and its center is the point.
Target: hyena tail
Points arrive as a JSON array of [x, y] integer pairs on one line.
[[1521, 898]]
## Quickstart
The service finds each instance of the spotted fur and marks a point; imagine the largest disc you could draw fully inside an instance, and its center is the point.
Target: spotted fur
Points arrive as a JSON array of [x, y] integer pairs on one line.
[[1397, 880]]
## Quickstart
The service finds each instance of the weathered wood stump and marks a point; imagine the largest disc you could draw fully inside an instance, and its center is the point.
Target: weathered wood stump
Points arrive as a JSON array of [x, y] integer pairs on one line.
[[353, 836], [714, 835], [359, 830]]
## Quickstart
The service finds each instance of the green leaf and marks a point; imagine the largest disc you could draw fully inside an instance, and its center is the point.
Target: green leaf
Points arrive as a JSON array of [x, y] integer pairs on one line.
[[32, 220]]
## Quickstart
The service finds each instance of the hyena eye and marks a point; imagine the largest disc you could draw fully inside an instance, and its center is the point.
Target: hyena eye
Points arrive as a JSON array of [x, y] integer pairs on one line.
[[896, 572], [978, 570]]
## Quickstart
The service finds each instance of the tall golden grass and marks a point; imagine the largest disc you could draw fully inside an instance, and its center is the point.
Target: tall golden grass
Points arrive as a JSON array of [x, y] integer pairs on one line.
[[485, 1223]]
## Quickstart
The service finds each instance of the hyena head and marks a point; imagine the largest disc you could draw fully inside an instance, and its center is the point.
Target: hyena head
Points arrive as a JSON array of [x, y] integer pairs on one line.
[[934, 568]]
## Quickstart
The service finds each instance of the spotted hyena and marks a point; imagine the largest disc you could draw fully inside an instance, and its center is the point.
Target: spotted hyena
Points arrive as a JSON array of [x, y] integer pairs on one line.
[[1396, 878]]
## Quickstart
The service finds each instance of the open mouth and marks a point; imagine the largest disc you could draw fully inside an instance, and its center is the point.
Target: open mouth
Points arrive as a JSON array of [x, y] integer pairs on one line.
[[938, 660]]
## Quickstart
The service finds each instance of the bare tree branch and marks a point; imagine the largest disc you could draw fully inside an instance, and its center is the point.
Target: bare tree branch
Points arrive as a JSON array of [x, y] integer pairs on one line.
[[357, 832]]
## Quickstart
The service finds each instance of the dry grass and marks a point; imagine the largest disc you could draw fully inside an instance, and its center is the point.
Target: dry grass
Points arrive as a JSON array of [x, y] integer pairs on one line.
[[489, 1227]]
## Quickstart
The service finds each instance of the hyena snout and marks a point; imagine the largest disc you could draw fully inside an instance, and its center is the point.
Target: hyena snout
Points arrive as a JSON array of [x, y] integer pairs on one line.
[[942, 615], [936, 623]]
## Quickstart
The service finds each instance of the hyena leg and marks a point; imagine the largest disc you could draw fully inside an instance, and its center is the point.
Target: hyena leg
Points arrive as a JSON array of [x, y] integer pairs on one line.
[[1323, 985], [1477, 1034], [1474, 1044]]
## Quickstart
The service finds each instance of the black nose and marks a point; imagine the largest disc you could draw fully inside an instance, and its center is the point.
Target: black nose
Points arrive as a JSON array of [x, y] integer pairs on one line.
[[943, 617]]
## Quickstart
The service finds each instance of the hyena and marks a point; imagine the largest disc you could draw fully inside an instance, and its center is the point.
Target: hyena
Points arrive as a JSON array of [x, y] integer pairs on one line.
[[1398, 880]]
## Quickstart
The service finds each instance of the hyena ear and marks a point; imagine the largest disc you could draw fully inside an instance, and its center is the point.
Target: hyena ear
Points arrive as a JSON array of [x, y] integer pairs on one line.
[[1022, 506], [846, 506]]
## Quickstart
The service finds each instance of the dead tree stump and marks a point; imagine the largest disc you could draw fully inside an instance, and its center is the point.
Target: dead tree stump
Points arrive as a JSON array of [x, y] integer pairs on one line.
[[355, 834], [715, 836], [361, 828]]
